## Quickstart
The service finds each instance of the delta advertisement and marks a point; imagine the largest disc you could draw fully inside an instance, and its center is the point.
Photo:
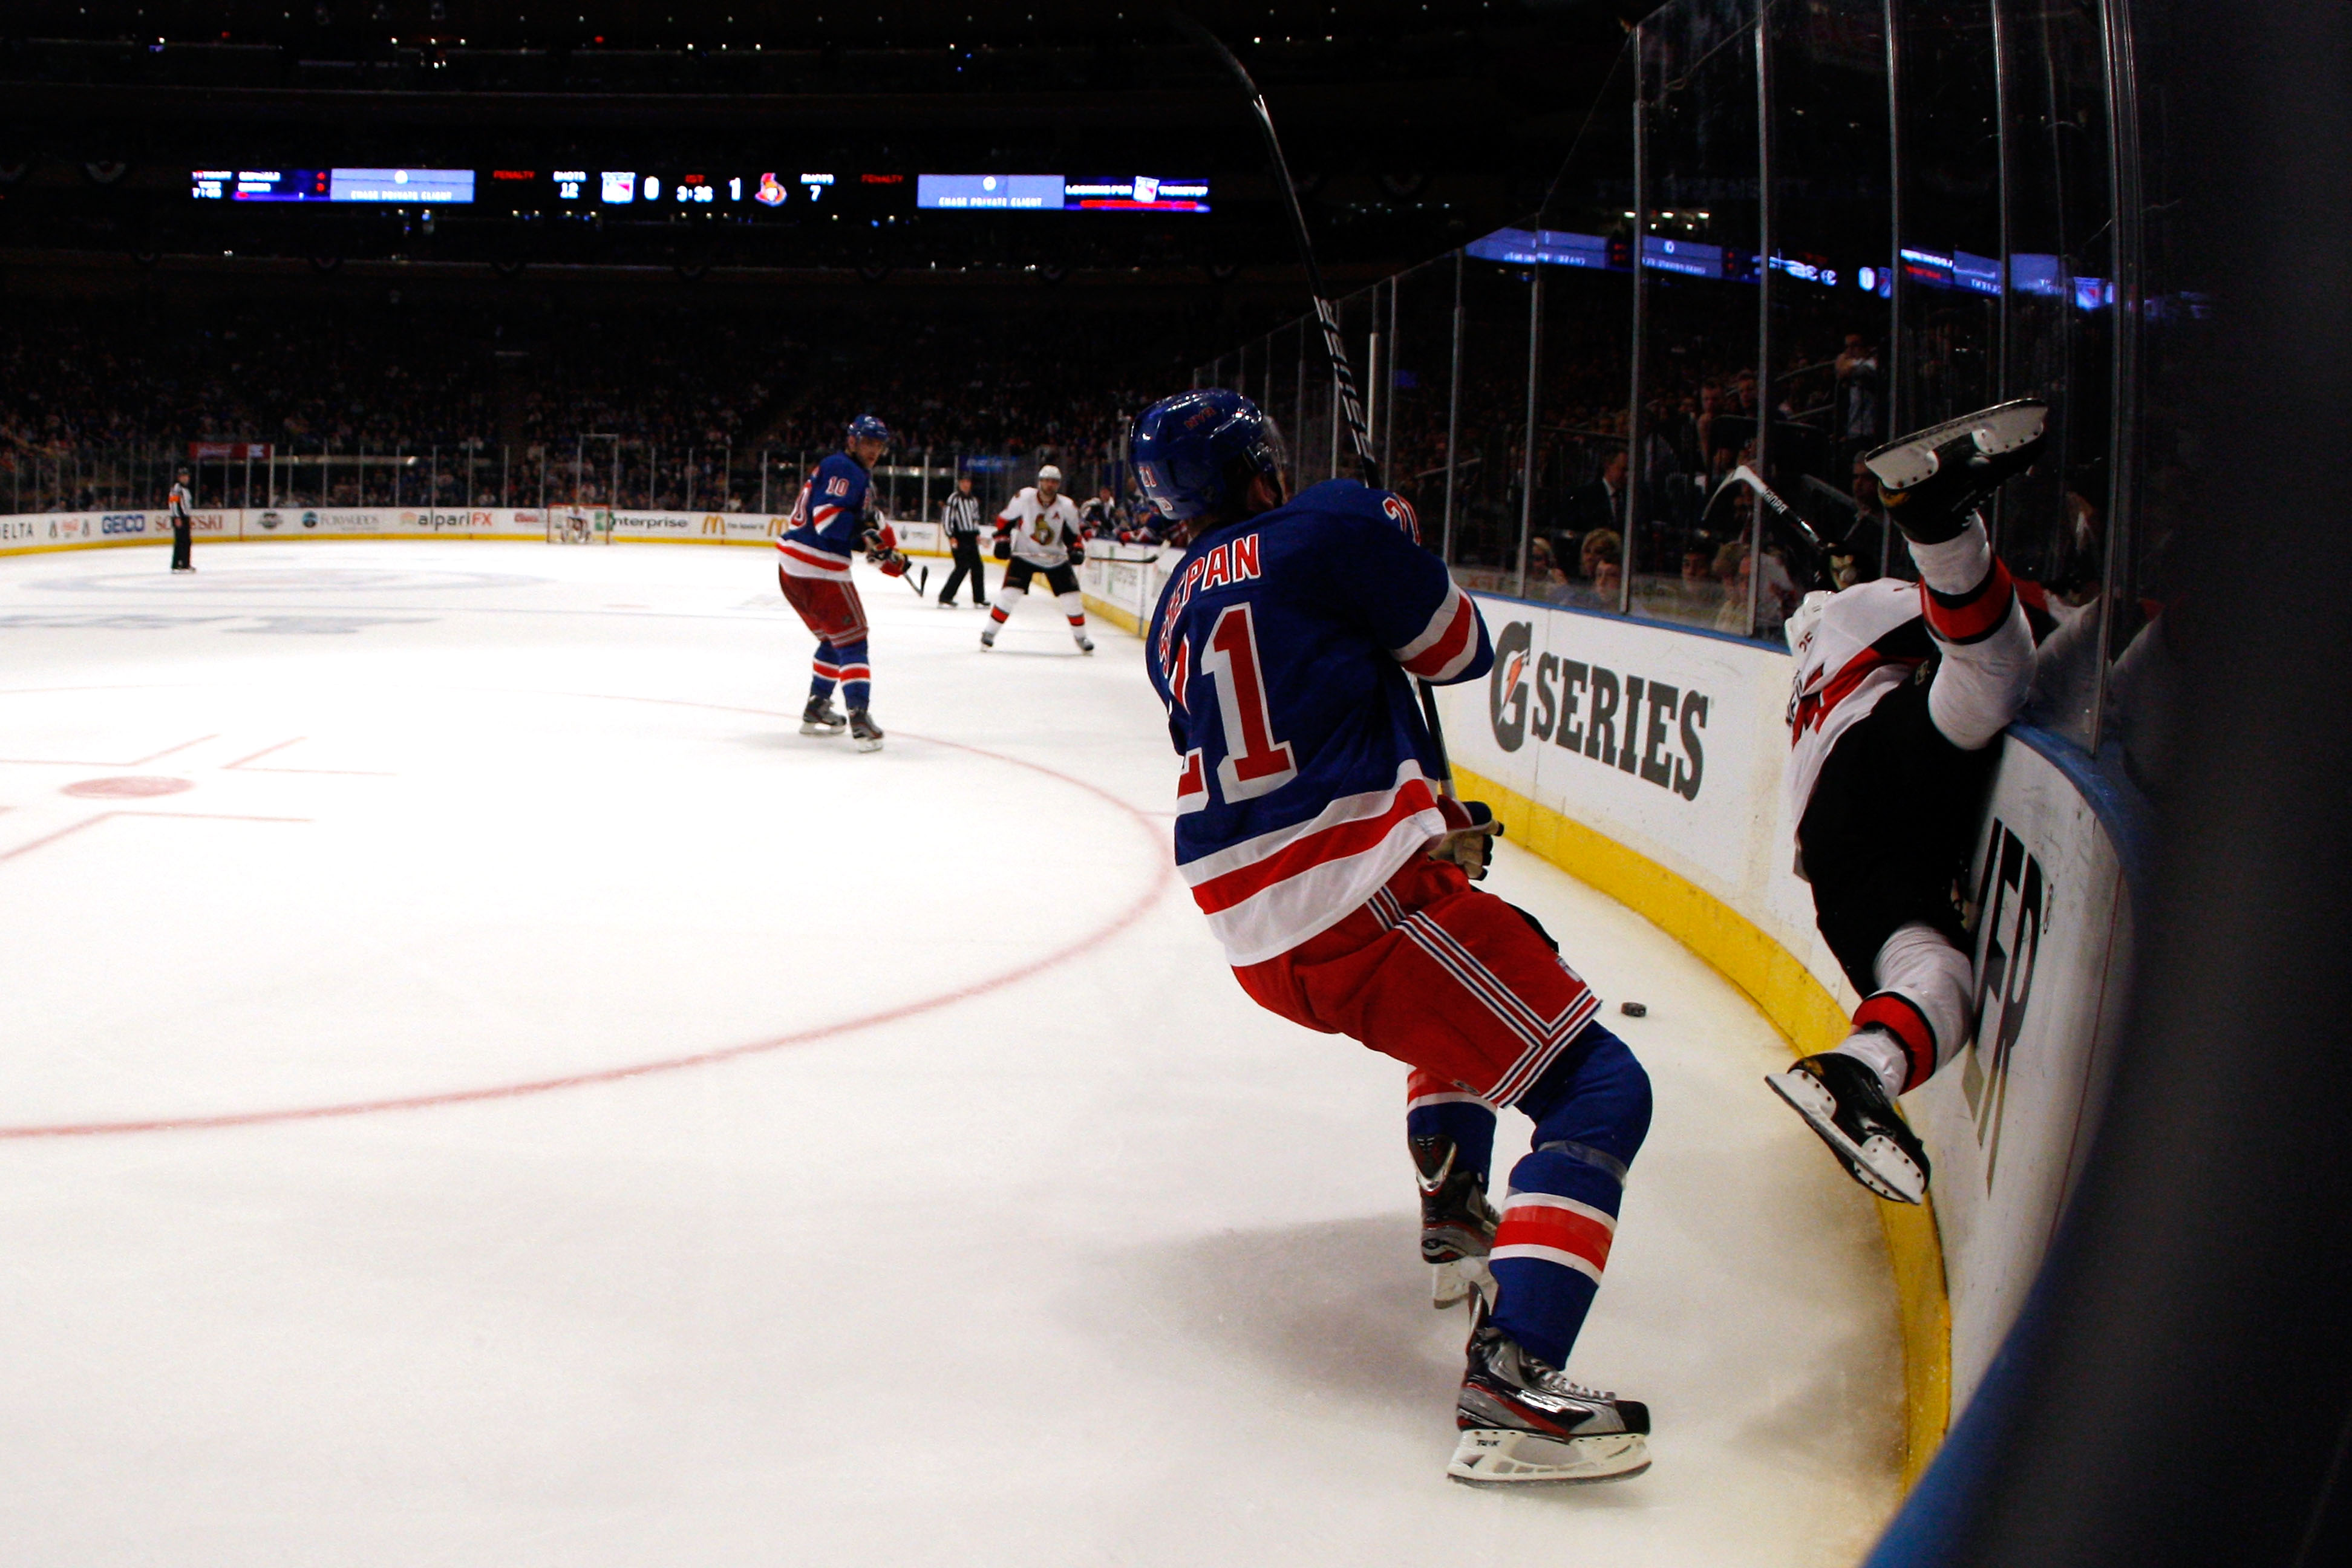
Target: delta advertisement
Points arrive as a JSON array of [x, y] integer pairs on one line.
[[1673, 743]]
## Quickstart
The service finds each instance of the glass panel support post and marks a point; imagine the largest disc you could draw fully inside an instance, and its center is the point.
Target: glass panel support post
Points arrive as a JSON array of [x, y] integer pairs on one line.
[[1764, 204], [1897, 292], [2118, 52], [1634, 407], [1453, 413], [1527, 441]]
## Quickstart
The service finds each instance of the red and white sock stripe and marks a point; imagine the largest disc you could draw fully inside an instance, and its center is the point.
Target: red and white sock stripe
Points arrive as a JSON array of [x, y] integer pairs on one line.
[[1975, 614], [1898, 1016], [1551, 1229], [1423, 1089]]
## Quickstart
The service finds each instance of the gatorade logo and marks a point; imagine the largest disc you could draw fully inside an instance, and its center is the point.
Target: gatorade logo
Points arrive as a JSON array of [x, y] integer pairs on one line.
[[1507, 689]]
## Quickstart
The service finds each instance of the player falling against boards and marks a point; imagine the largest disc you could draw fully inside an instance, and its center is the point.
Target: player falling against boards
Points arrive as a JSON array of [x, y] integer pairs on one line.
[[1037, 531], [1312, 830], [833, 518], [1900, 690]]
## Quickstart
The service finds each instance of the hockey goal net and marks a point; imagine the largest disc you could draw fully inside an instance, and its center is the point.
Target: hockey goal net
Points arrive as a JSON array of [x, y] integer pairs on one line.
[[579, 525]]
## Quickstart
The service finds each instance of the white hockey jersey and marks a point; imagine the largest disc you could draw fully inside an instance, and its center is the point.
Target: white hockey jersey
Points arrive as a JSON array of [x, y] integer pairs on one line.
[[1982, 643], [1840, 674], [1043, 535]]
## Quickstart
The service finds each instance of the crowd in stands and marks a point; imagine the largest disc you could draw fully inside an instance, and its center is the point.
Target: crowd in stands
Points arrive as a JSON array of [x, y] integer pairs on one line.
[[90, 402]]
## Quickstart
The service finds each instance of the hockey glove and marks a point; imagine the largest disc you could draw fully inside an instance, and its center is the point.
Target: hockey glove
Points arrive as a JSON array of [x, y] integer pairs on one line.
[[1471, 832], [1003, 548], [892, 565]]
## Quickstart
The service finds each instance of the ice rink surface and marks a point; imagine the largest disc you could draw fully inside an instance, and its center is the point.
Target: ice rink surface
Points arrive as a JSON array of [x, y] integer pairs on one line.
[[477, 1087]]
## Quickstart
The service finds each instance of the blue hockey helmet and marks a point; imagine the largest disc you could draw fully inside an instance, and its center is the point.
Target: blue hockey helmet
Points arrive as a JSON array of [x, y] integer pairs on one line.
[[865, 428], [1186, 448]]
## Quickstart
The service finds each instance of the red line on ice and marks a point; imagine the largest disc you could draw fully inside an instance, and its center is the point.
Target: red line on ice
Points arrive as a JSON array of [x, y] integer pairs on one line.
[[1161, 881]]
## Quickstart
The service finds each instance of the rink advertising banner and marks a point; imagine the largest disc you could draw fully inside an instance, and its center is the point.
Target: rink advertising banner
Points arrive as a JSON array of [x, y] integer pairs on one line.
[[2008, 1122], [60, 530], [1667, 742], [1673, 744]]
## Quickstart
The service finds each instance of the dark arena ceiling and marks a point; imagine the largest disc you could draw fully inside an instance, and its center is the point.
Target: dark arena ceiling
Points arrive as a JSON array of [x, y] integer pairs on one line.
[[1410, 127]]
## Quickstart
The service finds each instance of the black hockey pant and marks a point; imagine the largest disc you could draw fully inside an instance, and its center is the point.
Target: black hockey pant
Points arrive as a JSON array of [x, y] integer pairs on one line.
[[182, 544], [967, 559]]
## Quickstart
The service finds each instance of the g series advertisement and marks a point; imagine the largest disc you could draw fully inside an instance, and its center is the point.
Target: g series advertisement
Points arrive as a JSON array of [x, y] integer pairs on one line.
[[1668, 742]]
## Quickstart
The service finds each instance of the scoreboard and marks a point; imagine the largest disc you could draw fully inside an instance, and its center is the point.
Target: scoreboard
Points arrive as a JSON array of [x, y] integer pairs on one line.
[[404, 187], [742, 191]]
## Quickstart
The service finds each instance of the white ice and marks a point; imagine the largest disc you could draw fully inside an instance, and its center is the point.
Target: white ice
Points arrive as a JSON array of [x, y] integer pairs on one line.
[[891, 1173]]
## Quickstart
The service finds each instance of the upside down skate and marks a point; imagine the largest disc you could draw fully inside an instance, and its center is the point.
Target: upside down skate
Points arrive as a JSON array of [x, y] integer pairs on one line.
[[1457, 1224], [1932, 479], [1841, 1099], [1522, 1422]]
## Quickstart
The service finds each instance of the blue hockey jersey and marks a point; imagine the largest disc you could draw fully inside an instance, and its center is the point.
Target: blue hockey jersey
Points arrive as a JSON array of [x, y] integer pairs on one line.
[[1284, 647], [827, 519]]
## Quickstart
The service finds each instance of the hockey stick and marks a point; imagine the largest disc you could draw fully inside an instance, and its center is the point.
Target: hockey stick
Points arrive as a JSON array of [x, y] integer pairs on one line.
[[1343, 374]]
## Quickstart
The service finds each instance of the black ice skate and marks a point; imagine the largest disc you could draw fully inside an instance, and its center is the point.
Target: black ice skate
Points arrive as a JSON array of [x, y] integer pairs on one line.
[[987, 635], [1522, 1421], [1085, 643], [1457, 1224], [865, 731], [1840, 1099], [822, 718], [1932, 479]]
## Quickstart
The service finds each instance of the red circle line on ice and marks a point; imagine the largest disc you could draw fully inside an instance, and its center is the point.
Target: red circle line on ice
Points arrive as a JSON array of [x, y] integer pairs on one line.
[[130, 786], [1089, 941]]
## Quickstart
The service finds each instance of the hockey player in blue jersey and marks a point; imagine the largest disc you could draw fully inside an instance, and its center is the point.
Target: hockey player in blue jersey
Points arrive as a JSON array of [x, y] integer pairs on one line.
[[1313, 827], [832, 520]]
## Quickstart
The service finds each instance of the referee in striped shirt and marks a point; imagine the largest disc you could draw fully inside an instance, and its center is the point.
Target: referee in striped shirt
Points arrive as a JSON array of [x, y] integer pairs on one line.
[[960, 519]]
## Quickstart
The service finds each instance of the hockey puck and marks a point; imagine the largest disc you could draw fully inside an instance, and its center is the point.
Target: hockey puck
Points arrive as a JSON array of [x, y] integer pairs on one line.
[[1633, 1009]]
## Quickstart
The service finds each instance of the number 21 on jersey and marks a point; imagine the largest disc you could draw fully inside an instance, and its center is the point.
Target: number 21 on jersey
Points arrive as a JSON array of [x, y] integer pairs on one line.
[[1255, 763]]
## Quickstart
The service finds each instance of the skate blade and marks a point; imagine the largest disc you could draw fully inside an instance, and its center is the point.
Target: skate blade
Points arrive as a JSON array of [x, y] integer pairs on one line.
[[1495, 1457], [821, 729], [1452, 1282], [871, 745], [1877, 1164], [1994, 431]]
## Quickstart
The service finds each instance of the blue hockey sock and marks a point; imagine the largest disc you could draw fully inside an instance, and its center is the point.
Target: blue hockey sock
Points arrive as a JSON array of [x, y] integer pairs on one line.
[[1591, 1111]]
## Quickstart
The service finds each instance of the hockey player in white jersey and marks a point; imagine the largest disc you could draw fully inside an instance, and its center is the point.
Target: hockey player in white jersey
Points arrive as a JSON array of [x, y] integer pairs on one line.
[[1901, 689], [1038, 531]]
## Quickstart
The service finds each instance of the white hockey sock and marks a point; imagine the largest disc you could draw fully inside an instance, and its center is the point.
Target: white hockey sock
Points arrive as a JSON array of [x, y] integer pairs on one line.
[[1922, 1002], [1006, 597], [1879, 1051], [1073, 606], [1957, 564]]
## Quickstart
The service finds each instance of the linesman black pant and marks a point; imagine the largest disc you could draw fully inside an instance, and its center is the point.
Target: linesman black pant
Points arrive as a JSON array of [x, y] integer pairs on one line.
[[182, 544], [966, 550]]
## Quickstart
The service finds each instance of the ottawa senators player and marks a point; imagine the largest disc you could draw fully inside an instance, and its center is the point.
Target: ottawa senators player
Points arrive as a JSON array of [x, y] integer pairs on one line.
[[1900, 690]]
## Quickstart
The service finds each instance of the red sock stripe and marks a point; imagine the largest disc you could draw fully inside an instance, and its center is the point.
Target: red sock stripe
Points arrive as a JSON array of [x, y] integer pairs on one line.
[[827, 671], [1974, 615], [1900, 1016], [997, 615], [1564, 1230], [856, 672], [1423, 1081], [1078, 620]]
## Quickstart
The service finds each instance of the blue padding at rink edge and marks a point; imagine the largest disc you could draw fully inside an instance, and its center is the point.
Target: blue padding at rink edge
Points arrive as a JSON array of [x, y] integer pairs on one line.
[[2104, 782]]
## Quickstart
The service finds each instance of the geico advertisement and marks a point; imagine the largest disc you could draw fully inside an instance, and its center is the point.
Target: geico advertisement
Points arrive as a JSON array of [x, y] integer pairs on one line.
[[1649, 736], [2008, 1120]]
